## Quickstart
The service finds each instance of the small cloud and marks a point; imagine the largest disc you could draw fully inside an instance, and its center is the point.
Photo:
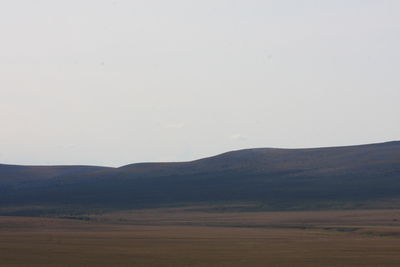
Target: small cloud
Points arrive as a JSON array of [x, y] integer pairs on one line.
[[175, 125], [238, 137]]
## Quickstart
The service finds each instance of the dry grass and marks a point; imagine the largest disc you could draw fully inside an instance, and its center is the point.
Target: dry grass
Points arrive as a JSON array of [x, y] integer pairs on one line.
[[179, 238], [195, 216]]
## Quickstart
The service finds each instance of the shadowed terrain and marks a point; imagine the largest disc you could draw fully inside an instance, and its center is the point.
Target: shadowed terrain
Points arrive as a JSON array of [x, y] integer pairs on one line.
[[365, 176]]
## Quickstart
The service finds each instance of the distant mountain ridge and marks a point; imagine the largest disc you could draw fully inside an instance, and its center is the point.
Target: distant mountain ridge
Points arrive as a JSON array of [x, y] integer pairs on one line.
[[313, 178], [13, 175]]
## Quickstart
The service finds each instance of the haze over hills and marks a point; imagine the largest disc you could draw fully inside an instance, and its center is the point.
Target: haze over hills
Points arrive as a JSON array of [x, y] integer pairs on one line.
[[275, 179]]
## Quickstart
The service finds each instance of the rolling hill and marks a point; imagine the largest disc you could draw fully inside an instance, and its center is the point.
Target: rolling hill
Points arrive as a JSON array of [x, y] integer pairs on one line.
[[361, 176]]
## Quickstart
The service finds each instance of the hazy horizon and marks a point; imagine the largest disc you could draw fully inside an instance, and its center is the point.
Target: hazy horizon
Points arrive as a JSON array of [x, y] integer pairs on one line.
[[117, 82], [199, 158]]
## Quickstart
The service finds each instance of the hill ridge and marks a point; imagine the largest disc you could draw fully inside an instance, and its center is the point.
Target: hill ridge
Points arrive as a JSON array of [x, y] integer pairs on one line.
[[333, 177]]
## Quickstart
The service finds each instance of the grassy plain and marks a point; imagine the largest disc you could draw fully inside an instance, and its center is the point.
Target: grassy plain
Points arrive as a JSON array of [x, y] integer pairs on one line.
[[193, 237]]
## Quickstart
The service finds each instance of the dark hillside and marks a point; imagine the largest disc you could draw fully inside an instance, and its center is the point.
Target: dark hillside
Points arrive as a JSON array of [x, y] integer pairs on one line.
[[276, 178], [25, 179], [12, 173]]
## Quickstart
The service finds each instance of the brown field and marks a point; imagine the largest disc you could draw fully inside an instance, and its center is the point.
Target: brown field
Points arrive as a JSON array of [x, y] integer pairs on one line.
[[192, 237]]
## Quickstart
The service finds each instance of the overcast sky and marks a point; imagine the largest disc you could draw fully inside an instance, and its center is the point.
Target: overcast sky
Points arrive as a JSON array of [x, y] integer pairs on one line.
[[112, 82]]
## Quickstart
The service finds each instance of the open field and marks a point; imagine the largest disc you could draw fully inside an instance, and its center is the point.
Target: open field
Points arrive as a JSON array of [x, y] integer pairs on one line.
[[176, 237], [223, 216]]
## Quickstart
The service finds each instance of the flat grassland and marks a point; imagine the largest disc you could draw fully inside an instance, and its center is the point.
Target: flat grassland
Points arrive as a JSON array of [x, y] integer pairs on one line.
[[192, 237]]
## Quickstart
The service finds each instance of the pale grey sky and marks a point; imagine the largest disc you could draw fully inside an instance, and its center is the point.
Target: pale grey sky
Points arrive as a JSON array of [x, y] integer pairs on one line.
[[112, 82]]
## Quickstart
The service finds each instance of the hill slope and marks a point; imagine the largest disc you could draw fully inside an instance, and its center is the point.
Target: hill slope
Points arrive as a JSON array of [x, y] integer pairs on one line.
[[275, 178]]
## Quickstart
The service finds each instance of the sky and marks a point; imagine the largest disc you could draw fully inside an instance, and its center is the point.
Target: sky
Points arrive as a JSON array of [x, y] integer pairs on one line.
[[114, 82]]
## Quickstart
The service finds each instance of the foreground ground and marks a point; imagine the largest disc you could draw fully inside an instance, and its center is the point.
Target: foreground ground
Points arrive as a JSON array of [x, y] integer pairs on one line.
[[193, 237]]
